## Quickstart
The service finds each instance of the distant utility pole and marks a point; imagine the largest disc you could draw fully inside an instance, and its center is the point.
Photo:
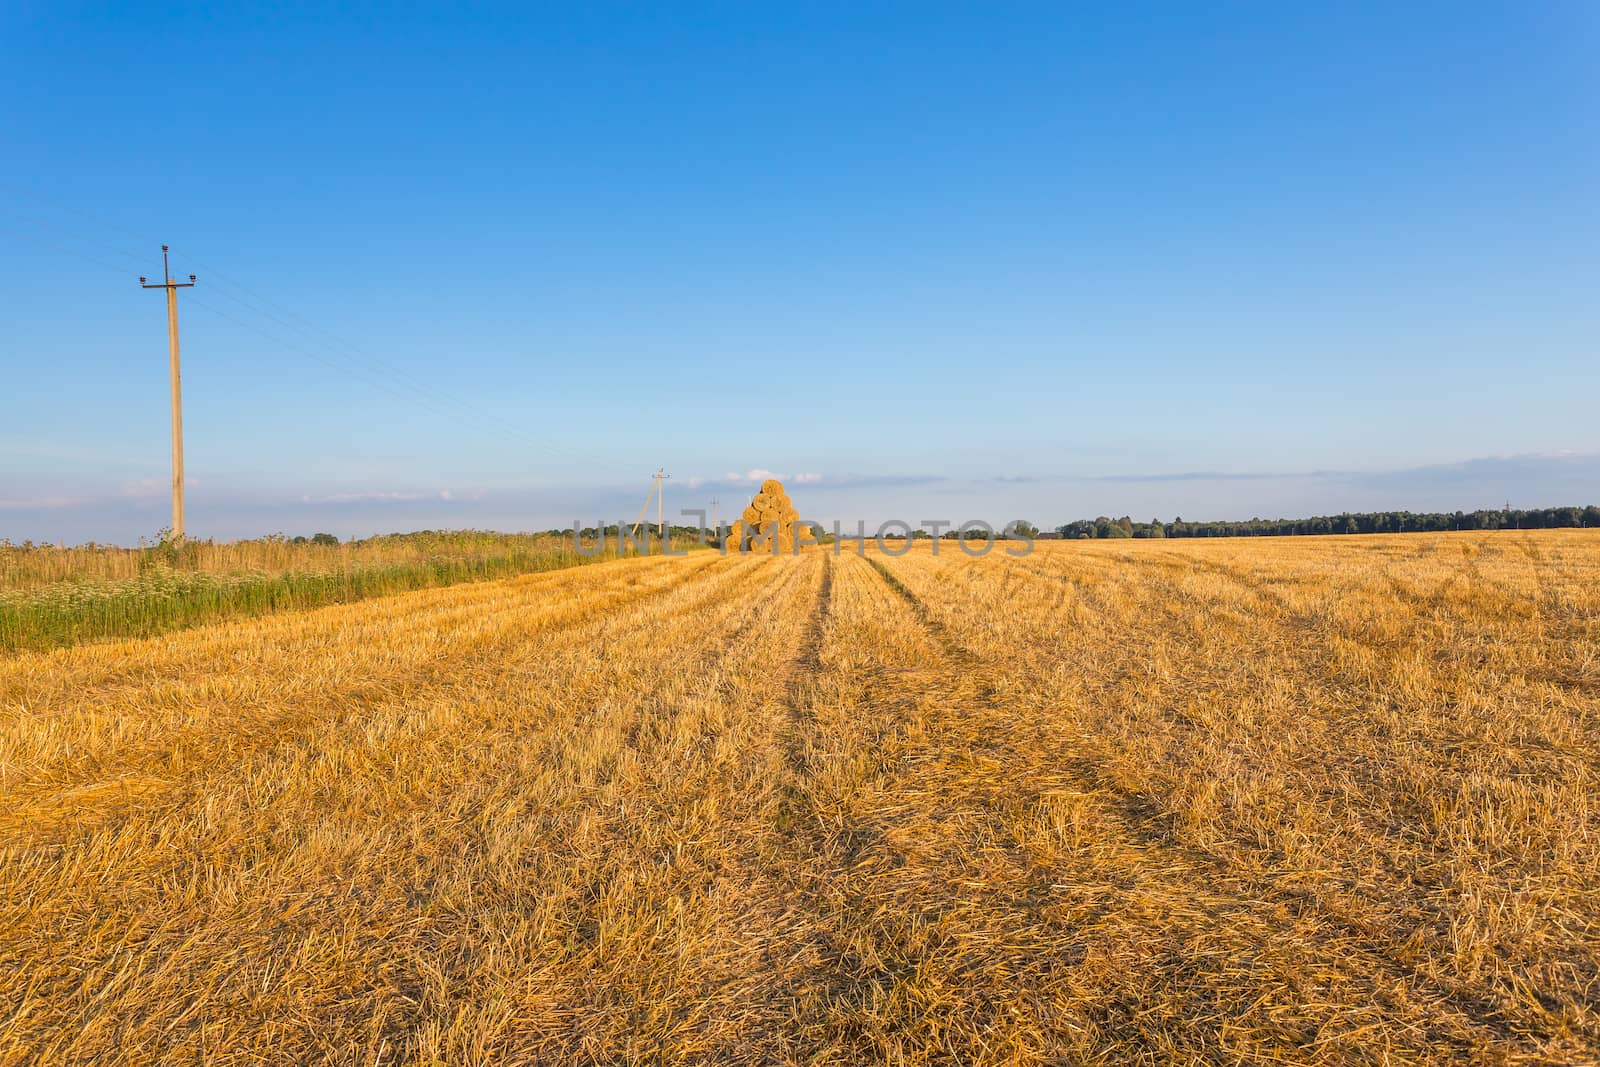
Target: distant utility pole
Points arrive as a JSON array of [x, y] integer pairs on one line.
[[655, 491], [661, 500], [714, 531], [172, 288]]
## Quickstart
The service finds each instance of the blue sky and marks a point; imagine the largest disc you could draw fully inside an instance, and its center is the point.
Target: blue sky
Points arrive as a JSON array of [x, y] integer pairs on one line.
[[492, 267]]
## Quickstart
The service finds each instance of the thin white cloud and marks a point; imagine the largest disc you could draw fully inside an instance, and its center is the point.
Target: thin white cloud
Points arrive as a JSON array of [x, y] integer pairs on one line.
[[365, 498], [735, 480], [1526, 465], [750, 477], [41, 503], [66, 512], [154, 488], [757, 475], [146, 487], [101, 458]]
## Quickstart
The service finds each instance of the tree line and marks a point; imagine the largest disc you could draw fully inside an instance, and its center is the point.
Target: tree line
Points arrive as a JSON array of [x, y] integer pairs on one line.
[[1367, 522]]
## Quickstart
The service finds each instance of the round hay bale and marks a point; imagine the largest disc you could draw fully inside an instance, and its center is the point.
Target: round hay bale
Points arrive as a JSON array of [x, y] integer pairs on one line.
[[773, 486]]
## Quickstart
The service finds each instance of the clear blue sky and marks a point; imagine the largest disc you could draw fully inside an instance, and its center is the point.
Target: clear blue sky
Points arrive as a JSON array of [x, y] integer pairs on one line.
[[492, 268]]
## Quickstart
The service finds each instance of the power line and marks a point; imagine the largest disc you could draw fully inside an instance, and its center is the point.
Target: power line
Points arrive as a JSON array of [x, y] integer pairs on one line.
[[400, 386], [373, 364], [386, 377], [310, 331], [335, 361], [309, 354], [102, 264]]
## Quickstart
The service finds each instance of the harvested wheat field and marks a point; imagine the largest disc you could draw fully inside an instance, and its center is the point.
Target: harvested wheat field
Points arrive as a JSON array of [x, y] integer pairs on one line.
[[1286, 800]]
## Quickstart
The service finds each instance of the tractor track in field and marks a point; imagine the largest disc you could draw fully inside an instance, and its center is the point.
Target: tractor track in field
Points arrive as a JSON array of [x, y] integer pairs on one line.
[[808, 659], [774, 862], [125, 782], [798, 684], [1473, 1021], [97, 673], [1310, 637]]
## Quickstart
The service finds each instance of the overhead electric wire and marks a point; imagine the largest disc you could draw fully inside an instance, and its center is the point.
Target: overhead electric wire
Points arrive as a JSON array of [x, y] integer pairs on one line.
[[66, 250], [374, 372], [192, 299], [393, 381]]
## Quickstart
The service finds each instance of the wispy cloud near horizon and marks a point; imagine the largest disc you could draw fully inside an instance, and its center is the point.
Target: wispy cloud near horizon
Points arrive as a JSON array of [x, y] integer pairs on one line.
[[734, 481], [127, 511], [381, 497], [42, 503], [1463, 471]]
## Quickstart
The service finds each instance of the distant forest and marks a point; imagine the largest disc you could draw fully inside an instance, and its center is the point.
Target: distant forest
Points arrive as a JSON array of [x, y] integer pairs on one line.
[[1363, 523]]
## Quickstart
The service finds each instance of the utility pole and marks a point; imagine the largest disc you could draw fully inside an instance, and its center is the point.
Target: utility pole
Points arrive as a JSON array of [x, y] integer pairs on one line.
[[661, 500], [655, 491], [715, 531], [172, 288]]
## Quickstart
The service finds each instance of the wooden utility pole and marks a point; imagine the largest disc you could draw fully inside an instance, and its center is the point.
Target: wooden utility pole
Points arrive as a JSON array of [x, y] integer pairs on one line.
[[172, 288], [661, 500], [655, 491]]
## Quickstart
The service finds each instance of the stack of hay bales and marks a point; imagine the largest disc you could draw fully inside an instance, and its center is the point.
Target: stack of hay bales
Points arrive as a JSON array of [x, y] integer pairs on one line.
[[770, 517]]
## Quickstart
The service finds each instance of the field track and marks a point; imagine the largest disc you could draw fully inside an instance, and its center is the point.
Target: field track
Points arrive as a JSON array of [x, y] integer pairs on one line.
[[1303, 800]]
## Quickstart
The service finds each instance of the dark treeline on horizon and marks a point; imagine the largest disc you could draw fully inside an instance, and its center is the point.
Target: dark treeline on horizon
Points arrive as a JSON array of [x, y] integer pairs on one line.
[[1369, 522]]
